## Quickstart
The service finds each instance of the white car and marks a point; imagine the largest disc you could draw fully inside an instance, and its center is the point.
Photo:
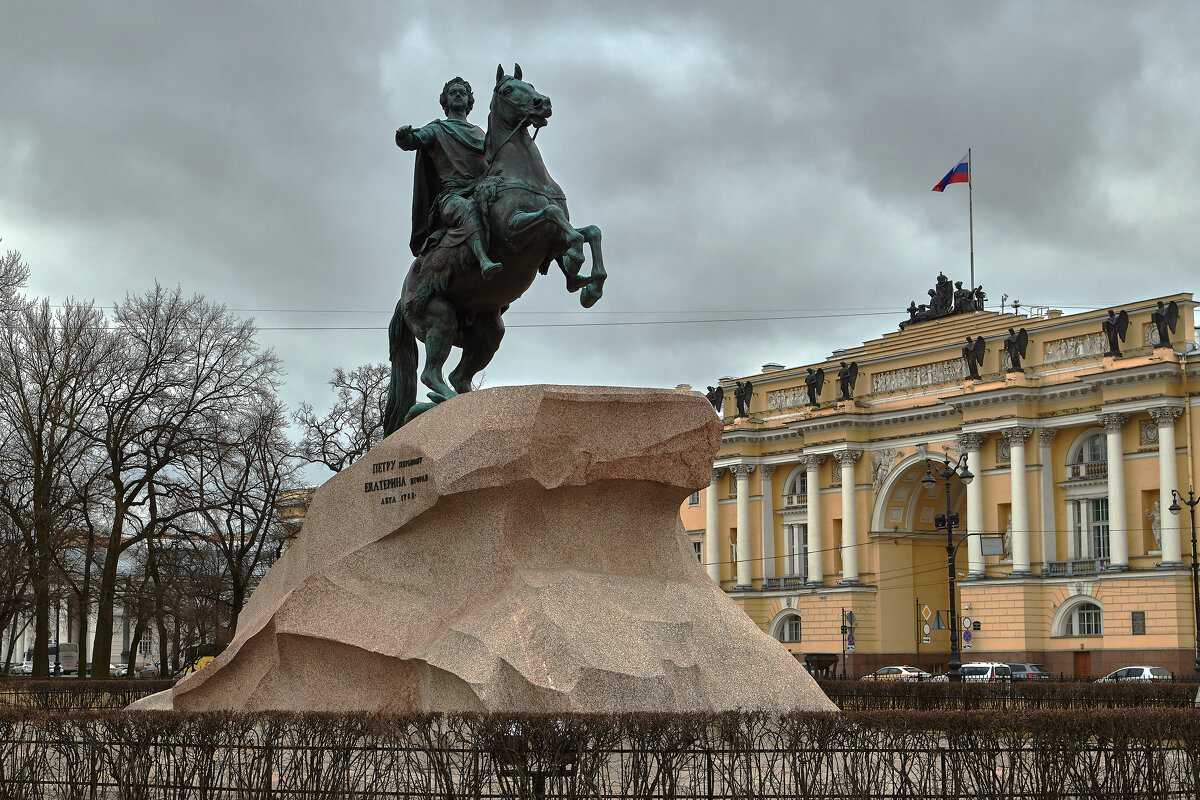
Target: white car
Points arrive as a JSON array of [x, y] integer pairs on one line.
[[985, 672], [904, 673], [1142, 674]]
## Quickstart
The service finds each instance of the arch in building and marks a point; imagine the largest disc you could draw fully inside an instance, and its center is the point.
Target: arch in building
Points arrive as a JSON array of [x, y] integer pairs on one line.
[[797, 480], [1080, 443], [778, 629], [1067, 617], [904, 503]]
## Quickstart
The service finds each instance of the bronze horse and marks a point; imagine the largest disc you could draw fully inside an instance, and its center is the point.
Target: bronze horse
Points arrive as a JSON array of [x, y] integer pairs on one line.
[[446, 302]]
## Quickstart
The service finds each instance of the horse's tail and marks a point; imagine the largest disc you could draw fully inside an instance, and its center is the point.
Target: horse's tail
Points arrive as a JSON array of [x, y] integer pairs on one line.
[[402, 391]]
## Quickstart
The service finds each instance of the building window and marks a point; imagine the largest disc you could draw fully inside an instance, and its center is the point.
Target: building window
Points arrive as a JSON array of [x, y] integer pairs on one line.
[[798, 484], [796, 557], [1099, 526], [1139, 623], [1091, 459], [144, 646], [789, 630], [693, 499], [698, 547], [1086, 619]]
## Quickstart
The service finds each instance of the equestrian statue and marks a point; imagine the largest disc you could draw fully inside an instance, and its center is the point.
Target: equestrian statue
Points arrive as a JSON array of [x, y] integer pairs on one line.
[[487, 219]]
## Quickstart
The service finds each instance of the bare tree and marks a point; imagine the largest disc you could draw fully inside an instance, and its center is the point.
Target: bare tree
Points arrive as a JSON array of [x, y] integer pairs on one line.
[[355, 422], [50, 367], [15, 600], [184, 365], [14, 273]]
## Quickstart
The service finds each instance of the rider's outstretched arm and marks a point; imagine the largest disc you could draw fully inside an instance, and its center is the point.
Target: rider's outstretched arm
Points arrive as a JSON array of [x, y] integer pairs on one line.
[[410, 138]]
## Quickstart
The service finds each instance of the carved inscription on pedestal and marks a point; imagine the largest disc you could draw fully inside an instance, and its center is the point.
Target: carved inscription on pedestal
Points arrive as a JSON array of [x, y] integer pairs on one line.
[[398, 488]]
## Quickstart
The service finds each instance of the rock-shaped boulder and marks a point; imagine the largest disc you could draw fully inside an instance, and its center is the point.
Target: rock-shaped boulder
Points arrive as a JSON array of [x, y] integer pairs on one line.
[[512, 549]]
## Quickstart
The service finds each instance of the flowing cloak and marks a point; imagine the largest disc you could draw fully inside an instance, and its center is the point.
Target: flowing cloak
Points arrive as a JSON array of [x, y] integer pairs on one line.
[[455, 148]]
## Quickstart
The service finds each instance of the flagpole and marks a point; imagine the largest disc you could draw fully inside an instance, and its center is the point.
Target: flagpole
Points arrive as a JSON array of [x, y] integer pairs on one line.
[[971, 214]]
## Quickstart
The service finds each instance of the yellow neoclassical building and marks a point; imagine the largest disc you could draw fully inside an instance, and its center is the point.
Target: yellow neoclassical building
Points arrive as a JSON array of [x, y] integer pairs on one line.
[[818, 510]]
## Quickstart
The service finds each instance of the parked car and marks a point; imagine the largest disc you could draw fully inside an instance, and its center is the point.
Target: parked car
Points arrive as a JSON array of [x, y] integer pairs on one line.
[[148, 671], [112, 670], [985, 672], [26, 667], [904, 673], [1143, 674], [1030, 672]]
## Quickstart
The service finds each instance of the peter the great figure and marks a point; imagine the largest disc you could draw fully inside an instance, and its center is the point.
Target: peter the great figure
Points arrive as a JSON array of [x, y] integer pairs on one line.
[[449, 159], [487, 219]]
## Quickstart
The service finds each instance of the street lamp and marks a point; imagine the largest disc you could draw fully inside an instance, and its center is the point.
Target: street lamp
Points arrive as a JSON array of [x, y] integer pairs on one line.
[[947, 470], [1176, 499]]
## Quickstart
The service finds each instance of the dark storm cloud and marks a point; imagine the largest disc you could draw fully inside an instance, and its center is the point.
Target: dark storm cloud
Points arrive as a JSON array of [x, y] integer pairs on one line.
[[751, 161]]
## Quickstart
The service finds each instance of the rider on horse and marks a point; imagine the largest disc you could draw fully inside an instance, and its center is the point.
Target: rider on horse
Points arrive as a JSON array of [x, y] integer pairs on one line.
[[449, 160]]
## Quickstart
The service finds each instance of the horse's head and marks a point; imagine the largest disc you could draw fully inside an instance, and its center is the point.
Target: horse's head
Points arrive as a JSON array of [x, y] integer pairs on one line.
[[515, 103]]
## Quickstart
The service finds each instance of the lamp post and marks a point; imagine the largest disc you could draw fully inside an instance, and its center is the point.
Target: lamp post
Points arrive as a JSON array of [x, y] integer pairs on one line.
[[1192, 500], [947, 470]]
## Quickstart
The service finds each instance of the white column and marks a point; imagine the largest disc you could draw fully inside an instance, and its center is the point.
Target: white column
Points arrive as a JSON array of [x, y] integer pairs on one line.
[[1168, 479], [1118, 531], [768, 521], [712, 537], [849, 518], [1046, 476], [742, 473], [801, 543], [971, 442], [816, 543], [1073, 535], [1020, 499]]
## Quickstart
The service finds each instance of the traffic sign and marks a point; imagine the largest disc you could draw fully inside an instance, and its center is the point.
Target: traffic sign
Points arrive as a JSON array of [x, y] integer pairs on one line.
[[925, 629], [966, 623], [850, 639], [925, 613], [924, 640], [849, 648], [967, 636]]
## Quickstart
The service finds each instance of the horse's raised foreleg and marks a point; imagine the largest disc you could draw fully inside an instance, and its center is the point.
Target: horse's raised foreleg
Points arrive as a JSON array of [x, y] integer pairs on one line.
[[479, 343], [441, 329], [595, 281]]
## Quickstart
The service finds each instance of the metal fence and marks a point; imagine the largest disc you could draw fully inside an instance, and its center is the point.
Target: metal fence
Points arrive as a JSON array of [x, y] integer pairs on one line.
[[890, 757]]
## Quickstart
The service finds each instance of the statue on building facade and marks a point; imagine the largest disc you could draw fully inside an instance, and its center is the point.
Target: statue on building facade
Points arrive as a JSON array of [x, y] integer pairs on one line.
[[716, 396], [973, 352], [847, 376], [946, 298], [1115, 328], [814, 381], [1155, 516], [742, 393], [487, 219], [1165, 318], [1015, 344]]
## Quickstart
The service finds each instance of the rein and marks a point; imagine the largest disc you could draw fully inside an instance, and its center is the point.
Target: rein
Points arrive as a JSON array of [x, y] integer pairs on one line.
[[525, 119]]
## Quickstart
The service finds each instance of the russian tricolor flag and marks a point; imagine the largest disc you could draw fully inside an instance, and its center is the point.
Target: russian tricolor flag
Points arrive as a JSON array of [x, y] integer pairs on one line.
[[960, 174]]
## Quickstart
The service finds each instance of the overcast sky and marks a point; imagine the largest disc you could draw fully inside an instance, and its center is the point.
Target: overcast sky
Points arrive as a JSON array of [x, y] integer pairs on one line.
[[743, 160]]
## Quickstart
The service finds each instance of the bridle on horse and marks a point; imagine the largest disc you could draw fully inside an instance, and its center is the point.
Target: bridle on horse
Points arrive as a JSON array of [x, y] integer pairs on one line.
[[526, 117]]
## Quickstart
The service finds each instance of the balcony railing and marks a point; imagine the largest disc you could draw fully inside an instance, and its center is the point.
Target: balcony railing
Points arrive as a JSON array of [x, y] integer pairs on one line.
[[795, 500], [1067, 569], [784, 582], [1088, 470]]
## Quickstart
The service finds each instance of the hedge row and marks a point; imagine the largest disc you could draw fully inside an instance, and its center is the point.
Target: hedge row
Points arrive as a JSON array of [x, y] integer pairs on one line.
[[66, 694], [1026, 754], [1003, 696]]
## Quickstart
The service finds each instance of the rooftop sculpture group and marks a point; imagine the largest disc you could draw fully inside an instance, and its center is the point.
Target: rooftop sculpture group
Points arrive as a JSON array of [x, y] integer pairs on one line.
[[946, 299], [487, 219]]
